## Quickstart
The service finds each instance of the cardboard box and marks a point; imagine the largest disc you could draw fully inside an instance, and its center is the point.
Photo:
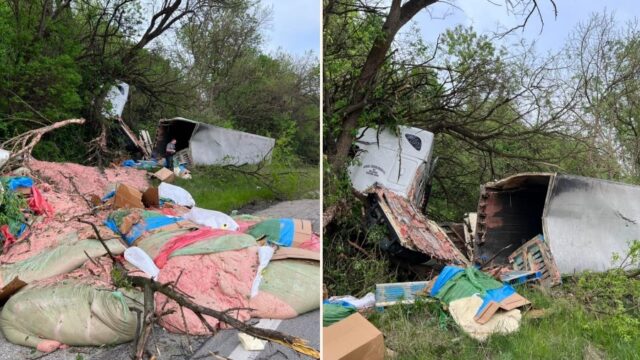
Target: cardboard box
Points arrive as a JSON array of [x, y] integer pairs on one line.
[[127, 197], [165, 175], [283, 253], [353, 338], [509, 303], [302, 231], [151, 197]]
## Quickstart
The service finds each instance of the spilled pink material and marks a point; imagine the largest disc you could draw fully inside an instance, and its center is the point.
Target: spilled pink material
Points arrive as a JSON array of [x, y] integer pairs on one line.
[[187, 239]]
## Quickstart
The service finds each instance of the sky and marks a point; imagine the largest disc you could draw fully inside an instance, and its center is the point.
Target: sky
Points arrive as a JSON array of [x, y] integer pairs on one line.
[[486, 17], [294, 26]]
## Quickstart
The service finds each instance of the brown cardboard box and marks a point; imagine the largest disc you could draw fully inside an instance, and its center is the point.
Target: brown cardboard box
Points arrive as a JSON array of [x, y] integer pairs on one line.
[[151, 197], [165, 175], [302, 231], [509, 303], [353, 338], [283, 253], [127, 197]]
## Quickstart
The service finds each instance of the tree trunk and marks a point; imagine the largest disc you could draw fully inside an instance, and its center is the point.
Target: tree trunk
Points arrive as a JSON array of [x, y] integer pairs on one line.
[[398, 17]]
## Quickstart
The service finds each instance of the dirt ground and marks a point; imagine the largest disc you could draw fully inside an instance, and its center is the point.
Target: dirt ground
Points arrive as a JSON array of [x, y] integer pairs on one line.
[[169, 346]]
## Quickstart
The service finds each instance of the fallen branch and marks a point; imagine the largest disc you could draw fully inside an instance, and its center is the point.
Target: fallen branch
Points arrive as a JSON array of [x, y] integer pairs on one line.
[[95, 229], [295, 343], [22, 145], [150, 287], [77, 191], [149, 312]]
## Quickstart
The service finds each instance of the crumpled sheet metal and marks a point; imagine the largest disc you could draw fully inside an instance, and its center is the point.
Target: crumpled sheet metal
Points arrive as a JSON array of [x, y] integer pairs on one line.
[[415, 231]]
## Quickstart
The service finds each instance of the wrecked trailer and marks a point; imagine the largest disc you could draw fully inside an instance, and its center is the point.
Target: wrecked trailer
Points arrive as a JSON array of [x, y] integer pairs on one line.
[[584, 221], [205, 144], [393, 170]]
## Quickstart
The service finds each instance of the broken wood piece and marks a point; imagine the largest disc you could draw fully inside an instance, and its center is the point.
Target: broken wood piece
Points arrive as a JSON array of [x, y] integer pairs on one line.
[[151, 197], [20, 147], [132, 136]]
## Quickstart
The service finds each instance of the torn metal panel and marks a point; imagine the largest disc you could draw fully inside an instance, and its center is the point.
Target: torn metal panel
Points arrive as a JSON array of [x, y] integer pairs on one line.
[[584, 220], [415, 232], [212, 145], [587, 220]]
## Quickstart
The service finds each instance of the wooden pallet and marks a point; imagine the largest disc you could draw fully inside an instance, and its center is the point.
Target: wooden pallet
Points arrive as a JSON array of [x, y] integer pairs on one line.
[[534, 256]]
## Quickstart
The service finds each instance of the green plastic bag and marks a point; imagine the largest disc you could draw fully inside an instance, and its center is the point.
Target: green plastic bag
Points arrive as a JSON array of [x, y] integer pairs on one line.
[[332, 313]]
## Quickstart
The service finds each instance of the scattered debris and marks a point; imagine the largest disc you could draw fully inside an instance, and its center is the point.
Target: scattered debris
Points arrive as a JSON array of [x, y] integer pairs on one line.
[[334, 312], [73, 270], [176, 194], [251, 343], [463, 311], [165, 175], [211, 218], [517, 277], [127, 197]]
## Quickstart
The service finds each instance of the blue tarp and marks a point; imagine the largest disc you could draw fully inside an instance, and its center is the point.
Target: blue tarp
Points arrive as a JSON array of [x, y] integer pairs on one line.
[[496, 295], [21, 181], [287, 230], [445, 275], [109, 196], [140, 228]]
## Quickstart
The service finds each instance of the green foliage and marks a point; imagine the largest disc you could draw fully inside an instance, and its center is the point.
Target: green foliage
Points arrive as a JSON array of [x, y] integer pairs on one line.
[[119, 278], [572, 327], [631, 259], [11, 206], [53, 69], [617, 296], [228, 189]]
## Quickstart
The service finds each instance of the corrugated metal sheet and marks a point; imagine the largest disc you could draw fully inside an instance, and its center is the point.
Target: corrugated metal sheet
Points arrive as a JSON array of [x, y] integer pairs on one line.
[[415, 231]]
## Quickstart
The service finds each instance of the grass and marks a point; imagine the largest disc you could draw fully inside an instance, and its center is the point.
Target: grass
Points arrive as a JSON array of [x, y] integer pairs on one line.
[[584, 319], [226, 190]]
